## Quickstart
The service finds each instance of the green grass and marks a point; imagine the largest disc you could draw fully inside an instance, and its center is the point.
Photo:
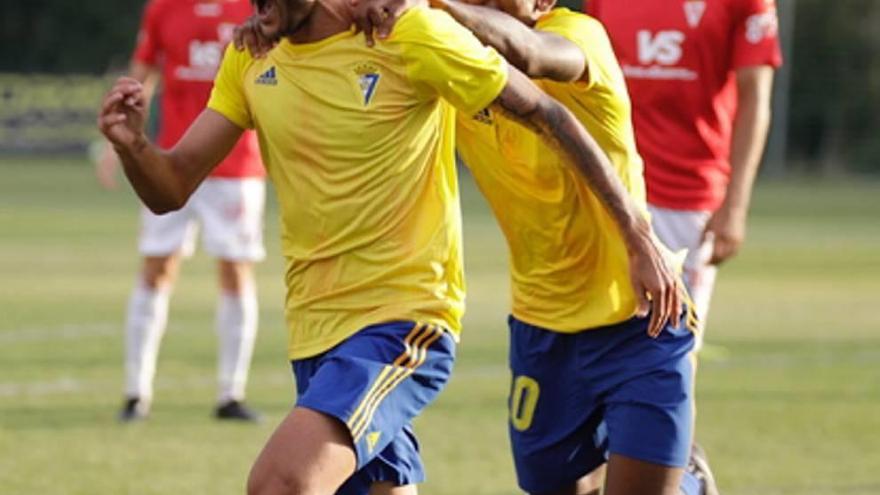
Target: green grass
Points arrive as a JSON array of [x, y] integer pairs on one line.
[[793, 407]]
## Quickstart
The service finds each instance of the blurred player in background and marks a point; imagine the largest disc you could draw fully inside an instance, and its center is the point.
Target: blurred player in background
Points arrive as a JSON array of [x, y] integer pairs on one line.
[[181, 42], [700, 75]]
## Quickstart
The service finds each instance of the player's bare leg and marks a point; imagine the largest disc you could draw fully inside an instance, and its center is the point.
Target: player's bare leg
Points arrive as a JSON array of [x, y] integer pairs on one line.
[[160, 272], [309, 453], [590, 484], [628, 476], [237, 319], [386, 488]]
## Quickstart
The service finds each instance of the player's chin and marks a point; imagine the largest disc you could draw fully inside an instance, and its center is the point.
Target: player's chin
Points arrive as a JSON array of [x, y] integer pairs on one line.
[[270, 30]]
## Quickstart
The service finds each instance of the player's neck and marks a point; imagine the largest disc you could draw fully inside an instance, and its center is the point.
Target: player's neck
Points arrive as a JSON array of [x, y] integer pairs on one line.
[[328, 18]]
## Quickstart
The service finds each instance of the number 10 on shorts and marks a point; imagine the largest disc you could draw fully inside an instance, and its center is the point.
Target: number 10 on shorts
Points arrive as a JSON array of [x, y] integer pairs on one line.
[[523, 400]]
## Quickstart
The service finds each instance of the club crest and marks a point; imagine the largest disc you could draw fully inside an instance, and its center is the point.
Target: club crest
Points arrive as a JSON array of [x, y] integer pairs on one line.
[[693, 12], [368, 80]]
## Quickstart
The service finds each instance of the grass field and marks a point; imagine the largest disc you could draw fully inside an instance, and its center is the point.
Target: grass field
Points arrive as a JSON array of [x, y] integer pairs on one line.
[[791, 407]]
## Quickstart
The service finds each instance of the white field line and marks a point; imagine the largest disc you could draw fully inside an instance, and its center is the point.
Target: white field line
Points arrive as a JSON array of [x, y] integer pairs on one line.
[[61, 386], [68, 385], [64, 332]]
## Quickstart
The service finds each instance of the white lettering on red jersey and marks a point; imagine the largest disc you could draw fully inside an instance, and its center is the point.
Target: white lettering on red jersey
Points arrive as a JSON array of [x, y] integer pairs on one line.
[[679, 58], [186, 40]]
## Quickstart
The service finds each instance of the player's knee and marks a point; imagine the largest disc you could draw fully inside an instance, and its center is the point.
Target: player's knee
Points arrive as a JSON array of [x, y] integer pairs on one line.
[[235, 276], [265, 480], [272, 483], [159, 272]]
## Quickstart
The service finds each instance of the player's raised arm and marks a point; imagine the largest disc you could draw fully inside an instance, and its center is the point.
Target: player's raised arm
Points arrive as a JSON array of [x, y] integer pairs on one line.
[[653, 278], [163, 180], [538, 54]]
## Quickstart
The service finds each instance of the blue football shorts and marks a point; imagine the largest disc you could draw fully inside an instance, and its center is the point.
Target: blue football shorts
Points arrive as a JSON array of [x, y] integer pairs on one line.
[[577, 398], [376, 382]]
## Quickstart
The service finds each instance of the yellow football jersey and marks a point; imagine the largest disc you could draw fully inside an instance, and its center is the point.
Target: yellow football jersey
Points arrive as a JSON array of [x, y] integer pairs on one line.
[[569, 265], [359, 145]]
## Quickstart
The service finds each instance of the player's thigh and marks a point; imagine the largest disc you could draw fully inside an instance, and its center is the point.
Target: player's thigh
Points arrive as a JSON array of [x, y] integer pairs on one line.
[[310, 452], [173, 233], [231, 213], [628, 476], [388, 488]]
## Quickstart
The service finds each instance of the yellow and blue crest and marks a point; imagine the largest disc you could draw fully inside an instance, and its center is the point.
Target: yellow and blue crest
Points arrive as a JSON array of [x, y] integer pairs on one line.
[[368, 80]]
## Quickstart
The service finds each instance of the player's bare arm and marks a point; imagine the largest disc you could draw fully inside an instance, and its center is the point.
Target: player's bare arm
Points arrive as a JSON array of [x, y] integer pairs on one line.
[[164, 180], [536, 53], [653, 279], [728, 224]]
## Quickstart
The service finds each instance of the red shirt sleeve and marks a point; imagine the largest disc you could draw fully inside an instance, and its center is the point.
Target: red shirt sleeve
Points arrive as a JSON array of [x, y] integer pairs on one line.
[[147, 47], [756, 34]]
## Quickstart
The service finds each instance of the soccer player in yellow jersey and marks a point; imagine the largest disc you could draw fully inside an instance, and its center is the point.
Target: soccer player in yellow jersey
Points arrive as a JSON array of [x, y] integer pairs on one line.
[[588, 383], [359, 144]]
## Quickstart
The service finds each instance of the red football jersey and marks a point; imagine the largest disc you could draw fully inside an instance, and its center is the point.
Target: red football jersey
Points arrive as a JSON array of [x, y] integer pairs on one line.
[[186, 39], [679, 58]]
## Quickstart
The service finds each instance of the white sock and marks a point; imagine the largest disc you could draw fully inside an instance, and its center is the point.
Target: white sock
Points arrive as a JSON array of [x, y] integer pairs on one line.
[[144, 327], [237, 316]]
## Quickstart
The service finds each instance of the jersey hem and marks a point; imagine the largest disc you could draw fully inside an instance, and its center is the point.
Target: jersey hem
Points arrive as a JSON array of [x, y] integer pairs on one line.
[[587, 326], [318, 347]]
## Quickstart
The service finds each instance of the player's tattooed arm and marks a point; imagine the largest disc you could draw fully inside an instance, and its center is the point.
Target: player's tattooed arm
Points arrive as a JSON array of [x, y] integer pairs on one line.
[[655, 282], [538, 54], [163, 179]]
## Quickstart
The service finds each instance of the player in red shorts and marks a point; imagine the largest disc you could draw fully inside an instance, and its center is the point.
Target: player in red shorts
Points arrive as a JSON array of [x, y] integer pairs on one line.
[[700, 75], [182, 42]]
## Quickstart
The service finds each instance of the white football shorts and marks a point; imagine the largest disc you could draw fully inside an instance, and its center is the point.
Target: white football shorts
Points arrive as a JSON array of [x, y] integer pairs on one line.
[[682, 229], [229, 212]]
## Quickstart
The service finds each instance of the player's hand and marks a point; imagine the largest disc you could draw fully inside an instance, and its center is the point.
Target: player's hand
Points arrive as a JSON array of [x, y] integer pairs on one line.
[[106, 165], [727, 230], [123, 113], [657, 287], [376, 18], [248, 35]]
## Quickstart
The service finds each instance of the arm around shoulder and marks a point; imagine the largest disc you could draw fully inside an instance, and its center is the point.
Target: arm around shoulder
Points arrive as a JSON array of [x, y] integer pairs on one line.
[[538, 54]]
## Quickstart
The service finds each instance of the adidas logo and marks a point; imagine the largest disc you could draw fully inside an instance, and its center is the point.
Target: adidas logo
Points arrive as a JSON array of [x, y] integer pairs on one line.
[[372, 440], [268, 77]]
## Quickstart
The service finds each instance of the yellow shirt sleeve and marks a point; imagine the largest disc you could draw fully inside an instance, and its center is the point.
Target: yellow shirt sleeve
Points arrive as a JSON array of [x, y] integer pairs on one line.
[[227, 96], [585, 32], [444, 59]]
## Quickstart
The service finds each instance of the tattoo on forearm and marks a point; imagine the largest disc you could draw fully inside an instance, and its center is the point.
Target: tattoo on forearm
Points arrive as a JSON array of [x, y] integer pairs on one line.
[[547, 117]]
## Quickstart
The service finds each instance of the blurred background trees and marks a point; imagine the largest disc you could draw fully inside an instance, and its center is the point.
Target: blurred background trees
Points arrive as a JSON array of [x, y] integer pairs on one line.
[[833, 63]]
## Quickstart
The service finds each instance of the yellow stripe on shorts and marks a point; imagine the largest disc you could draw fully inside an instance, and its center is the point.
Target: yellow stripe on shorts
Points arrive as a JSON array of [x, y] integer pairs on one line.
[[384, 375], [415, 353]]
